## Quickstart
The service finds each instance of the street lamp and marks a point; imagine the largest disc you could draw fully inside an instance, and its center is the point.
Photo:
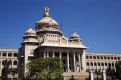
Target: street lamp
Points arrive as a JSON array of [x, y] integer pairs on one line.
[[22, 66]]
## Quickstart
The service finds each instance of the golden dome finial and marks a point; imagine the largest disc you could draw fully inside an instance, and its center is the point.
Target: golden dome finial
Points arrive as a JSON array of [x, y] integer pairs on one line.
[[46, 12]]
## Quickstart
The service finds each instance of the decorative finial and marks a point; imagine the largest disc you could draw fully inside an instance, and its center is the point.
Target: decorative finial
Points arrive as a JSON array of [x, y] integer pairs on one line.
[[46, 12]]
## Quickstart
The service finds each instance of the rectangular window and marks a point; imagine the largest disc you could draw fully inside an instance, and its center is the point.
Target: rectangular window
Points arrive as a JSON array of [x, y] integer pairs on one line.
[[9, 54], [4, 54]]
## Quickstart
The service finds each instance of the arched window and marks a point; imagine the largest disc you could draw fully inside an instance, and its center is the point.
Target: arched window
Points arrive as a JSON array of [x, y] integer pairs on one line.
[[98, 63], [105, 64], [102, 64], [87, 63], [109, 64], [95, 64], [91, 64], [15, 62]]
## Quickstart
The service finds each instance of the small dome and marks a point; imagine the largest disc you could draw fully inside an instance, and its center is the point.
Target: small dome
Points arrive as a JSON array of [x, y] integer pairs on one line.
[[47, 20], [30, 36], [74, 35], [30, 30]]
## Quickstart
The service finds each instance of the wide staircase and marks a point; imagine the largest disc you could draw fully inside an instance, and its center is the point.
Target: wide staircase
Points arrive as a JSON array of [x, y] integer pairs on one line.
[[75, 75]]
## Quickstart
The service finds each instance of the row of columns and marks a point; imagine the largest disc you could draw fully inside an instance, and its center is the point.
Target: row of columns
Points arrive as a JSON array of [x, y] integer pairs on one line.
[[79, 66], [100, 67], [92, 76], [6, 54]]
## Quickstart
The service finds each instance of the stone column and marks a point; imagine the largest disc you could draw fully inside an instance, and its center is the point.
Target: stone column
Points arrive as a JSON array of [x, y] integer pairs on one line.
[[79, 62], [74, 61], [115, 67], [83, 60], [68, 67], [97, 66], [111, 65], [104, 74], [53, 54], [47, 54], [60, 56], [44, 54], [7, 54], [91, 75]]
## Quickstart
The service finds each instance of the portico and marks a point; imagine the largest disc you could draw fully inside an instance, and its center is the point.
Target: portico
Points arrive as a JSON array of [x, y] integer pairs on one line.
[[71, 58]]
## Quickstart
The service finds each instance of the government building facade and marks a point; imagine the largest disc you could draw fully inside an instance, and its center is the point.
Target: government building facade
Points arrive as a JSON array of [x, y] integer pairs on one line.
[[46, 40]]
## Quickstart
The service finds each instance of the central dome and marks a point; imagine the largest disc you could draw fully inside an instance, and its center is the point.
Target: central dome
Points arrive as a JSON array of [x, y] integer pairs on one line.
[[47, 21]]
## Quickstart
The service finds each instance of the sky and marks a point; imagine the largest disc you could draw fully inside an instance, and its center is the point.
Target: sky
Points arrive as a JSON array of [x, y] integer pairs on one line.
[[98, 22]]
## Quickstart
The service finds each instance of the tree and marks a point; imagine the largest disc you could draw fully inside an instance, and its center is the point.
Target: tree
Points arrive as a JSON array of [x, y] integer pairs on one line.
[[118, 70], [6, 69], [97, 72], [110, 72], [44, 69]]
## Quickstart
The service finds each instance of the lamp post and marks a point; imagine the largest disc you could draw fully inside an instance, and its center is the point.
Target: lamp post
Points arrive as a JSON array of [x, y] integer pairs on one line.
[[22, 66]]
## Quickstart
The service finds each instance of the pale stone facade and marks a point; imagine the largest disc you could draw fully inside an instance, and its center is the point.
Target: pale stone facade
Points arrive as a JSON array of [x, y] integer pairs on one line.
[[48, 41], [9, 55], [100, 61]]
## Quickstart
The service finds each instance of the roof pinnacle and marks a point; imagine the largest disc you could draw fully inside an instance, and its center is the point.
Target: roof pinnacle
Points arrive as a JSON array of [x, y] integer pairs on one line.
[[46, 12]]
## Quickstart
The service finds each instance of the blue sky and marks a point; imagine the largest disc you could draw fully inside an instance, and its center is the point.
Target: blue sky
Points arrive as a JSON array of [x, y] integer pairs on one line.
[[98, 22]]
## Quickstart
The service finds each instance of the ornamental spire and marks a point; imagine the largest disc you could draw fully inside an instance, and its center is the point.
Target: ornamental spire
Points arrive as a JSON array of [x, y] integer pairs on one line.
[[46, 12]]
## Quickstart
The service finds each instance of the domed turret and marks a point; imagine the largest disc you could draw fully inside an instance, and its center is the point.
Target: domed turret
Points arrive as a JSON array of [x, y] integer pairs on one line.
[[47, 21], [30, 31], [75, 37], [30, 36]]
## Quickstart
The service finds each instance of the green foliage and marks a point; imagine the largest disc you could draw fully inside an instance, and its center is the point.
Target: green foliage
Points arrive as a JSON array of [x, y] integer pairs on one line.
[[110, 72], [6, 69], [118, 70], [44, 69], [114, 74]]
